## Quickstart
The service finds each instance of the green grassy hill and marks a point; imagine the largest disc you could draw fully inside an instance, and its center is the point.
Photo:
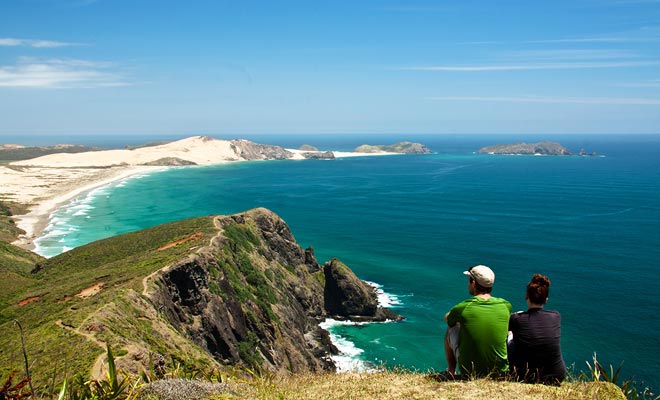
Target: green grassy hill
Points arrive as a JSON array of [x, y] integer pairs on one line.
[[60, 305]]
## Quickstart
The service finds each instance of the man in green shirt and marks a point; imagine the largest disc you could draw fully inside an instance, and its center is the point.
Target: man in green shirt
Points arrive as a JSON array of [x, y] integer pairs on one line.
[[478, 328]]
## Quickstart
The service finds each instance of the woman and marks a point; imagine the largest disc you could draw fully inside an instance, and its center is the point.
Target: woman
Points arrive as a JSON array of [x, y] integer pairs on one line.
[[535, 352]]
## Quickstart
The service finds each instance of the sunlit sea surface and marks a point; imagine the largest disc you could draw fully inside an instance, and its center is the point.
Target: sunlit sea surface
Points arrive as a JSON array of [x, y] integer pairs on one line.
[[412, 223]]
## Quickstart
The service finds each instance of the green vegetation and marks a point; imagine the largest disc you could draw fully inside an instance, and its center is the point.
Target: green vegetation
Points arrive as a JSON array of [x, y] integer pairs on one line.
[[242, 236], [8, 230], [88, 294], [401, 147], [248, 350], [25, 153], [249, 281]]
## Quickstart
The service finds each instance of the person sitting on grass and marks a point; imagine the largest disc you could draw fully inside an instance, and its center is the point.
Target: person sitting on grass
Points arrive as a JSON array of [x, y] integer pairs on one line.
[[477, 331], [535, 351]]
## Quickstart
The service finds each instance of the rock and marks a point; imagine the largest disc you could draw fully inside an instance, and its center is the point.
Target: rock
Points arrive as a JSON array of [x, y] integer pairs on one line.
[[401, 147], [307, 147], [170, 162], [348, 297], [326, 155], [255, 151], [540, 148]]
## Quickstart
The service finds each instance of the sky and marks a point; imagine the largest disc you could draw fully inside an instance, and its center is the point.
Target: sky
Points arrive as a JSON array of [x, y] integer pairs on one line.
[[360, 66]]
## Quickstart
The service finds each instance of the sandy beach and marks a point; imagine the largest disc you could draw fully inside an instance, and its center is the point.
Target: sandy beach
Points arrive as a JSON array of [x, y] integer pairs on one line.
[[46, 183], [45, 189]]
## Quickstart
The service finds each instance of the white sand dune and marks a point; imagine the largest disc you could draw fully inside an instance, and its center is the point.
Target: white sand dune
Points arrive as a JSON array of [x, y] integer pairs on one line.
[[200, 150]]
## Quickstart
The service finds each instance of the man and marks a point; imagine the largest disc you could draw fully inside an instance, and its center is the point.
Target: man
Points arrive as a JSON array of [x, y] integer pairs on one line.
[[477, 329]]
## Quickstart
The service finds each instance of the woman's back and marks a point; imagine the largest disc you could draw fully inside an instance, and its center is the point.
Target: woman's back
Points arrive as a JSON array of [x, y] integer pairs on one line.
[[536, 353]]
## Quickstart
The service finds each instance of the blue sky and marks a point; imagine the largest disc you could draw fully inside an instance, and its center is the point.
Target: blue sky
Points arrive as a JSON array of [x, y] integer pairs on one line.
[[243, 67]]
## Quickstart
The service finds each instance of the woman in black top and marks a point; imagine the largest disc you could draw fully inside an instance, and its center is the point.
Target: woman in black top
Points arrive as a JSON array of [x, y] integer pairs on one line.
[[535, 352]]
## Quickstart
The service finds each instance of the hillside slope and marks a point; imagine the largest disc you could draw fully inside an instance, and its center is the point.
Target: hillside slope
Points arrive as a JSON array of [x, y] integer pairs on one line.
[[202, 293]]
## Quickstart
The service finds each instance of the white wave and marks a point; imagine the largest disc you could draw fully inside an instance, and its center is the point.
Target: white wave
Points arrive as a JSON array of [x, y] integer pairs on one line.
[[347, 360], [66, 248], [385, 299], [53, 233], [83, 211]]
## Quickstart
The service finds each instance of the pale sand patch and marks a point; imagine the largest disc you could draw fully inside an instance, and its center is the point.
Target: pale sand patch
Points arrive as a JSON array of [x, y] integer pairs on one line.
[[90, 291]]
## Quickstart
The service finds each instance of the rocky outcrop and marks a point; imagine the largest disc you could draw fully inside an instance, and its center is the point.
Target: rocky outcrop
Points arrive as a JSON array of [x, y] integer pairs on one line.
[[540, 148], [325, 155], [348, 297], [255, 297], [401, 147], [255, 151], [170, 162]]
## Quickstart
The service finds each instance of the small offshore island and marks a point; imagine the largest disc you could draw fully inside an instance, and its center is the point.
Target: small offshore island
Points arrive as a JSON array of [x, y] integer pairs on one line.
[[536, 149], [399, 148]]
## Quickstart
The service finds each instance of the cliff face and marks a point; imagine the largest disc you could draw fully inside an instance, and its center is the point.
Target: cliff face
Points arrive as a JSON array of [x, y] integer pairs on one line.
[[255, 151], [254, 297]]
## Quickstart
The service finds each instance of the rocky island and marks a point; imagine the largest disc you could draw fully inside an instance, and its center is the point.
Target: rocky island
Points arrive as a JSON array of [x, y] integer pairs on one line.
[[540, 148], [400, 148]]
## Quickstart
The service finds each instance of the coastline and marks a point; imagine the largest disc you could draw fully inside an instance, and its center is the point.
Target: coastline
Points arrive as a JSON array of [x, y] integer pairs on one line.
[[47, 183], [55, 189]]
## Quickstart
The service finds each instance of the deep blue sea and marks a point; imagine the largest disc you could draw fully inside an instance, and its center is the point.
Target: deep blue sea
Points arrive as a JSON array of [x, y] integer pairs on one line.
[[413, 223]]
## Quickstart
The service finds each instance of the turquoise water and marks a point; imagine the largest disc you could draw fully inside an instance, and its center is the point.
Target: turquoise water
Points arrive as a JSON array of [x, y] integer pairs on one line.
[[412, 224]]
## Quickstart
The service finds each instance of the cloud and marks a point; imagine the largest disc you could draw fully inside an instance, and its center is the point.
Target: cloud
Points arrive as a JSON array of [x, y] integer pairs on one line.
[[574, 54], [13, 42], [648, 84], [522, 67], [645, 34], [60, 74], [553, 100]]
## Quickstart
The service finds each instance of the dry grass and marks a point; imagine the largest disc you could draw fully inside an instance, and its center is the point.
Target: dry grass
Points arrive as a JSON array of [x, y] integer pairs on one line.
[[406, 385]]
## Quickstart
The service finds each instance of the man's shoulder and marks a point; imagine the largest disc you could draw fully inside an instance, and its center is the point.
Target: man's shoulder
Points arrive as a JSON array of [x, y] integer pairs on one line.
[[464, 303], [499, 300]]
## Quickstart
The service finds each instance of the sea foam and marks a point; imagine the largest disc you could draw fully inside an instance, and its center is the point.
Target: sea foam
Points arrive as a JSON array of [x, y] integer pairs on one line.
[[348, 359]]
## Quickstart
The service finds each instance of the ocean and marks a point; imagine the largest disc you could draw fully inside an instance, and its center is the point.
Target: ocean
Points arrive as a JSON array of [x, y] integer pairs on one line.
[[412, 223]]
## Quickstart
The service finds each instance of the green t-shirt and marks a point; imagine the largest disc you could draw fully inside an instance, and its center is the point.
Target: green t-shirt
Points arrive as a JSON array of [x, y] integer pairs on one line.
[[482, 337]]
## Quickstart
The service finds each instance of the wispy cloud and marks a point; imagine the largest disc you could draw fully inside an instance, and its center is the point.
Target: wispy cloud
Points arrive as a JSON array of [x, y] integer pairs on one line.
[[522, 67], [648, 84], [60, 74], [13, 42], [574, 54], [554, 100], [644, 34], [415, 9]]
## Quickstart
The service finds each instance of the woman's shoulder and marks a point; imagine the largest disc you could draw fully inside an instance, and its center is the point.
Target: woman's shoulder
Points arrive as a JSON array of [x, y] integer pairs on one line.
[[551, 313]]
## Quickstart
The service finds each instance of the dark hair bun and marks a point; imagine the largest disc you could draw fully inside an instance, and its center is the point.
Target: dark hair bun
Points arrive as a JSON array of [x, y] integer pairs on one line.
[[538, 289], [540, 280]]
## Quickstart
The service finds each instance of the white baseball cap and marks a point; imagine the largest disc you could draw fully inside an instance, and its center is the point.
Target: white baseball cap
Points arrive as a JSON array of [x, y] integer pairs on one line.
[[483, 275]]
